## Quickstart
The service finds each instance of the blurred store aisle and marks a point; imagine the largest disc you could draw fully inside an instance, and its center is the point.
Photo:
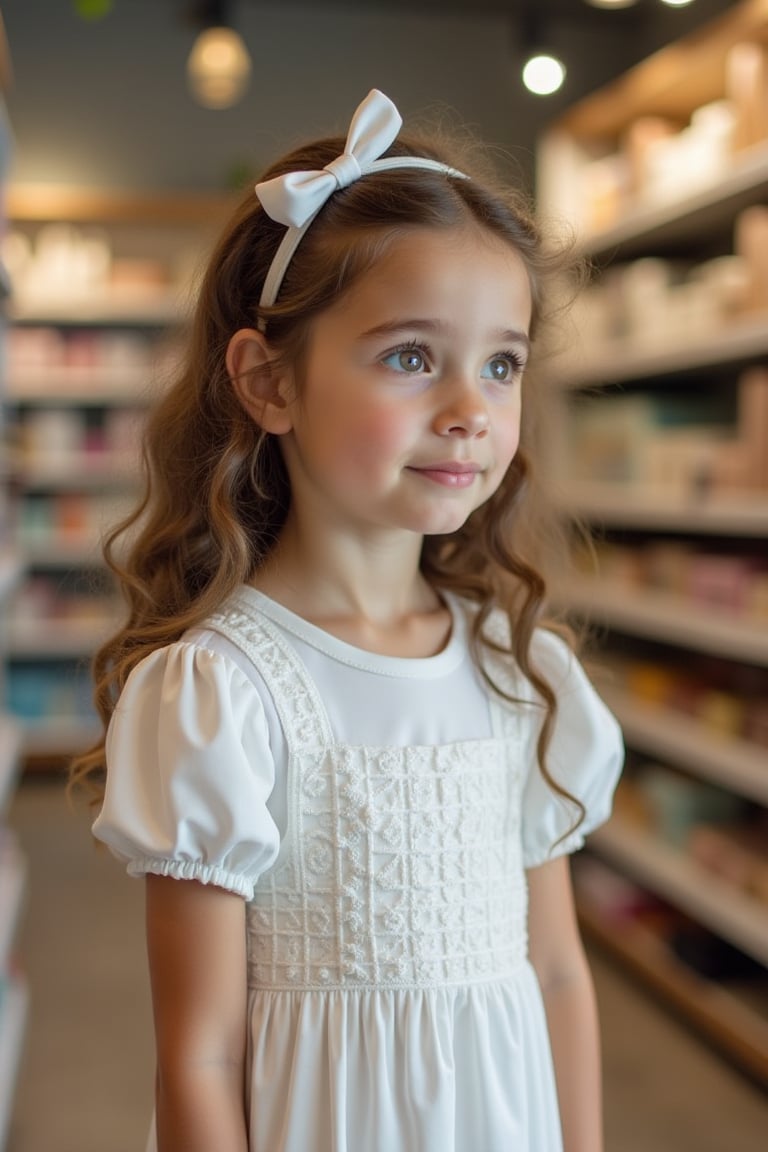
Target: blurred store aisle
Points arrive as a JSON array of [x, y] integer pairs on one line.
[[86, 1078]]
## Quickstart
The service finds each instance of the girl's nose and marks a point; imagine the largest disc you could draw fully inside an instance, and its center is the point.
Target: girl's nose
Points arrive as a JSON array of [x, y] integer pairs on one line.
[[464, 413]]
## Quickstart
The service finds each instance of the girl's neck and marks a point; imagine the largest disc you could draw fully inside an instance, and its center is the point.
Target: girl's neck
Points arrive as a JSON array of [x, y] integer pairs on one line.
[[374, 596]]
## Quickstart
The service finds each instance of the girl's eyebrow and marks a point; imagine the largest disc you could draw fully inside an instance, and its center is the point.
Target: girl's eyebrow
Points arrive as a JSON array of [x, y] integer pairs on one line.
[[504, 335]]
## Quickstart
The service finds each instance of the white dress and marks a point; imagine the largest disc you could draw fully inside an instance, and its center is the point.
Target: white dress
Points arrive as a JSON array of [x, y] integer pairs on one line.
[[378, 815]]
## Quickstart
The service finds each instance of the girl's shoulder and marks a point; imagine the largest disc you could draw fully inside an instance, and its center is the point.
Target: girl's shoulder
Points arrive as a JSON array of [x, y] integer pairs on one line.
[[192, 671], [550, 655], [217, 656], [237, 637]]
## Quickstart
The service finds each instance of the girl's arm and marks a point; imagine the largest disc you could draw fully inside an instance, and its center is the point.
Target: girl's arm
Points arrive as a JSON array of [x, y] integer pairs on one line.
[[197, 965], [557, 955]]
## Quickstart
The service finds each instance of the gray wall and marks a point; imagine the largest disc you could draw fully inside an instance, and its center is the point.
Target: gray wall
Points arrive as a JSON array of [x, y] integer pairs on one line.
[[106, 103]]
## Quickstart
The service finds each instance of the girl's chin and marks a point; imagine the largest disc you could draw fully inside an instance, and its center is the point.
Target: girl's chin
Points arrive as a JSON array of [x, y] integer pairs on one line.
[[446, 526]]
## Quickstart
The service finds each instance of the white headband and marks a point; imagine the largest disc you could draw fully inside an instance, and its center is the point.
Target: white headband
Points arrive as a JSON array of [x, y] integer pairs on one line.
[[296, 198]]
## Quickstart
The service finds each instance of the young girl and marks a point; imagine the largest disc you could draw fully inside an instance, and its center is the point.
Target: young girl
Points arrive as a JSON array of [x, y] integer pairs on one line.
[[342, 748]]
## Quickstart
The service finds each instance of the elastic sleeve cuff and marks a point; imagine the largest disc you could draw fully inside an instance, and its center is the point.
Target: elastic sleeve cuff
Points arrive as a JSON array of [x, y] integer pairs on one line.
[[194, 870], [565, 847]]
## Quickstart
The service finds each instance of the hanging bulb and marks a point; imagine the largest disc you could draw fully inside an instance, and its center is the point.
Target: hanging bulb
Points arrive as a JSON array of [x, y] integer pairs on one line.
[[219, 67], [543, 74], [92, 9]]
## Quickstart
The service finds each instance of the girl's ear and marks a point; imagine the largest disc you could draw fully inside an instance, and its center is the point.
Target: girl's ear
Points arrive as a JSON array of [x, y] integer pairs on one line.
[[250, 365]]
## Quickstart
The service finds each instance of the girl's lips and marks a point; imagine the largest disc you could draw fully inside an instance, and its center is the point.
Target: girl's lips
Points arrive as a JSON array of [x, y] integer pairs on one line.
[[449, 474]]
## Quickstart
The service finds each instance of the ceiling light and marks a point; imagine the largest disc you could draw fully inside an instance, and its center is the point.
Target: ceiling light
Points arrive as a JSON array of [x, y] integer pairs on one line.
[[219, 67], [543, 74], [93, 9], [676, 3]]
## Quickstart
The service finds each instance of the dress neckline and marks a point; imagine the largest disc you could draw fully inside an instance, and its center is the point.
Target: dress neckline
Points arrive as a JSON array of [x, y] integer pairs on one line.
[[416, 667]]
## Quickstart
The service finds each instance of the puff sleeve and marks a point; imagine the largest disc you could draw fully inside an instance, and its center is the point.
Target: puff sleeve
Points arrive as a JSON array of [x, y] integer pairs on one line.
[[585, 756], [189, 772]]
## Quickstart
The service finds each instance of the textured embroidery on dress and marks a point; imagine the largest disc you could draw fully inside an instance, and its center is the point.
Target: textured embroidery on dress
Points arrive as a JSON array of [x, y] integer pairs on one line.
[[407, 867], [297, 701]]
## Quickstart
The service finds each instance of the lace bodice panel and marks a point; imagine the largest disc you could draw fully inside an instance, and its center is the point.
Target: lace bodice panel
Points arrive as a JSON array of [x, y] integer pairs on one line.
[[401, 871], [401, 867]]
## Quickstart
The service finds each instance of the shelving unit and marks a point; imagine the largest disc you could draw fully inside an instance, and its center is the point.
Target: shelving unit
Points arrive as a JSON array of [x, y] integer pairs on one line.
[[742, 343], [687, 218], [13, 988], [714, 902], [635, 620], [735, 764], [14, 995], [720, 1016], [102, 284], [742, 515], [64, 607], [667, 618]]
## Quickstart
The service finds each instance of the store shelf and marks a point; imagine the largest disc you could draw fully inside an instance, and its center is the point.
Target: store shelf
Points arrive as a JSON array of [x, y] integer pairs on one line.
[[10, 572], [165, 311], [77, 472], [65, 385], [733, 764], [43, 203], [725, 910], [590, 159], [672, 82], [10, 750], [685, 219], [11, 737], [56, 553], [89, 353], [731, 1024], [13, 993], [14, 1001], [13, 875], [113, 355], [57, 737], [742, 514], [746, 341], [56, 639], [667, 618]]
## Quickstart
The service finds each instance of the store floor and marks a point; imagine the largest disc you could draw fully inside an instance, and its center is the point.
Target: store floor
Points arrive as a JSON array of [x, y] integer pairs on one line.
[[86, 1076]]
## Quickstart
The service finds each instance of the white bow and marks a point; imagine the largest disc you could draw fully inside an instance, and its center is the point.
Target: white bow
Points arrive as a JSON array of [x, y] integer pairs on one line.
[[294, 198]]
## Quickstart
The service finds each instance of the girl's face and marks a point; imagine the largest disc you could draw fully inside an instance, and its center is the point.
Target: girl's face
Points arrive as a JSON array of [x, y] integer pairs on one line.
[[408, 414]]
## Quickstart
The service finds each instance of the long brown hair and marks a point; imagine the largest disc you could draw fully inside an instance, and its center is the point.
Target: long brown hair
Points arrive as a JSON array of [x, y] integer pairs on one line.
[[216, 490]]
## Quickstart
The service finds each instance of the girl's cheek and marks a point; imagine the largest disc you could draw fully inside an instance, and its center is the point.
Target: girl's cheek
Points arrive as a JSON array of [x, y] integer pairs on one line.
[[380, 434], [513, 443], [505, 431]]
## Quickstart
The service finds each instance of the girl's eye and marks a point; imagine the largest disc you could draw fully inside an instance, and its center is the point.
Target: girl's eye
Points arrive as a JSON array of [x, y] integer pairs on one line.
[[409, 360], [502, 368]]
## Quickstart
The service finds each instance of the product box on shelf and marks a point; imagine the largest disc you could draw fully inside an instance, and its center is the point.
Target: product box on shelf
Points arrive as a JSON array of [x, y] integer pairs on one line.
[[599, 167]]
